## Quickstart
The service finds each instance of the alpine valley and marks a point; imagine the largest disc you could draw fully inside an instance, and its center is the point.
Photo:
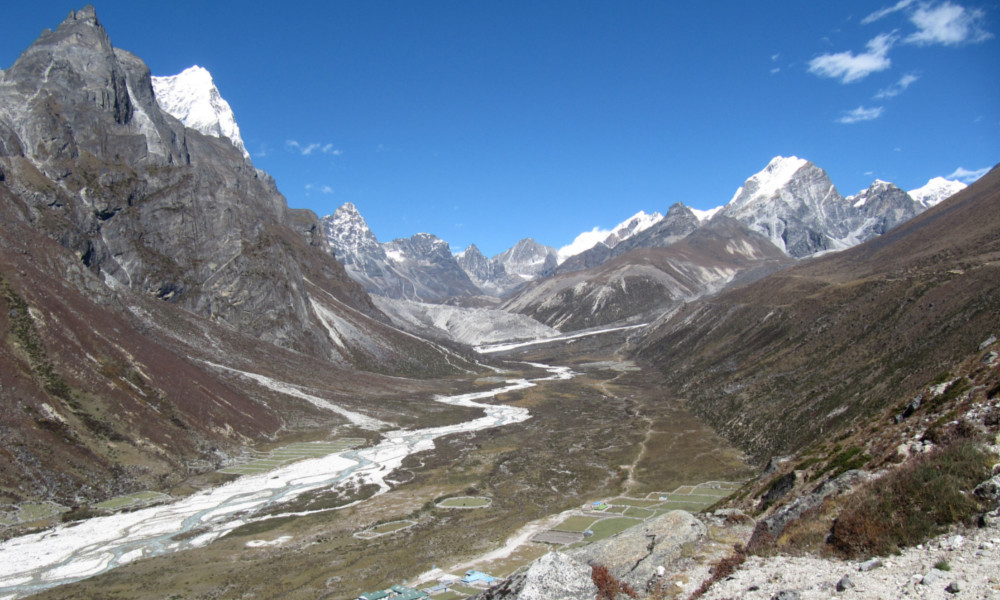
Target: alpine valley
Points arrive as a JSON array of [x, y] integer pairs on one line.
[[205, 393]]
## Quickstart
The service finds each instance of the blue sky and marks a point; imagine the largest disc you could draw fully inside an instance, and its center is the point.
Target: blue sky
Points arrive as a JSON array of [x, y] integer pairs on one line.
[[487, 122]]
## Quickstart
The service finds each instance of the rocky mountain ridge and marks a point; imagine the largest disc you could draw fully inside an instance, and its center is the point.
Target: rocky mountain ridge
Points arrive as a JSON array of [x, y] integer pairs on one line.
[[645, 282]]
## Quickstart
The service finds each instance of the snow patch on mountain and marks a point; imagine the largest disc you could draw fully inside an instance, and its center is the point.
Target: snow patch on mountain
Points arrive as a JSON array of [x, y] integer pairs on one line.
[[191, 97], [705, 215], [936, 190]]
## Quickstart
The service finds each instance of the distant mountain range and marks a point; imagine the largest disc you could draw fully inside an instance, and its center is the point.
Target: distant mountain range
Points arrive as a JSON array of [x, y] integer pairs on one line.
[[791, 202]]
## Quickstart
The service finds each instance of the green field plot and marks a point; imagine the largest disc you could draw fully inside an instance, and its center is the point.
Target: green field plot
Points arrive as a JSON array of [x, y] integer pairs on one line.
[[384, 529], [617, 510], [133, 500], [608, 527], [713, 492], [640, 502], [639, 513], [466, 502], [688, 506], [575, 524], [291, 453], [732, 486]]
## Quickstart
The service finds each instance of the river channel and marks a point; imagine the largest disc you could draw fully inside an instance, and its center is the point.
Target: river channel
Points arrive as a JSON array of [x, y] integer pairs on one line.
[[67, 553]]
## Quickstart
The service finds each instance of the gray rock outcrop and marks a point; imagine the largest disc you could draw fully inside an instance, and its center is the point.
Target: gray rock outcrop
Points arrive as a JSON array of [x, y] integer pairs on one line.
[[555, 576], [634, 555]]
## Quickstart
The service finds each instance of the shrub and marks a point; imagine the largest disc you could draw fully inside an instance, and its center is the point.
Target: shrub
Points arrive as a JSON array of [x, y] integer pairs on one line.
[[609, 586], [913, 503], [722, 569]]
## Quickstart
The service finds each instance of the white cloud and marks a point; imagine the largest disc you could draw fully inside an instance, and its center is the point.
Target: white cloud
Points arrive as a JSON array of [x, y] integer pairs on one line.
[[948, 24], [307, 149], [967, 176], [326, 189], [884, 12], [897, 88], [584, 241], [860, 114], [849, 67]]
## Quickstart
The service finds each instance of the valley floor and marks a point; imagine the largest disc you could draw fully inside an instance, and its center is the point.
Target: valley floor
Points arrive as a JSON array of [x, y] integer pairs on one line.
[[604, 434]]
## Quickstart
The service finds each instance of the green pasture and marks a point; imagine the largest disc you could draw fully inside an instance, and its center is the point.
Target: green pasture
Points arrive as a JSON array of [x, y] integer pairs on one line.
[[465, 502], [575, 524]]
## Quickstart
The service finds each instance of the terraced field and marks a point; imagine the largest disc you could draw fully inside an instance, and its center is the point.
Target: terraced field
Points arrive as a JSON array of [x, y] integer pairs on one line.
[[608, 517]]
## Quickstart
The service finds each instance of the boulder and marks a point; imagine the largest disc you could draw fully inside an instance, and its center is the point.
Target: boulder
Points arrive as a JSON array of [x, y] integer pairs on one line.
[[554, 576], [635, 554]]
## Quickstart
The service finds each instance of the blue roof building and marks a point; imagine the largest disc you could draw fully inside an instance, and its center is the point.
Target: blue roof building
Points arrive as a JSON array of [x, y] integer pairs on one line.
[[477, 576]]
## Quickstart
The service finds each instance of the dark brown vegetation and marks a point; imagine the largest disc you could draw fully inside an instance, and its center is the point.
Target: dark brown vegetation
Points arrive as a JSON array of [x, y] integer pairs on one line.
[[912, 503], [929, 456], [609, 587]]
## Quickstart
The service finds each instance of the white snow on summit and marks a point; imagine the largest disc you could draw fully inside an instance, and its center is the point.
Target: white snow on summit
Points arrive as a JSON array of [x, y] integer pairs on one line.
[[858, 200], [191, 97], [705, 215], [765, 184], [935, 191]]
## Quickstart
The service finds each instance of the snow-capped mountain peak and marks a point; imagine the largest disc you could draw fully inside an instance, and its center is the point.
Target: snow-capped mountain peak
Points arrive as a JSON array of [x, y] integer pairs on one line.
[[878, 186], [191, 97], [638, 223], [348, 233], [766, 183], [936, 190]]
